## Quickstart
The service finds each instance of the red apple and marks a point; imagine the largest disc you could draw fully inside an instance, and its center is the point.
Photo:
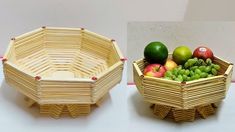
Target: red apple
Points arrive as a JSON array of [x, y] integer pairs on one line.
[[155, 70], [203, 53]]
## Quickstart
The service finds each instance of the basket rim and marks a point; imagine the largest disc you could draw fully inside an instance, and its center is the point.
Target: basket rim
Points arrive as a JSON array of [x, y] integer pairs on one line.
[[140, 73], [100, 75], [114, 44]]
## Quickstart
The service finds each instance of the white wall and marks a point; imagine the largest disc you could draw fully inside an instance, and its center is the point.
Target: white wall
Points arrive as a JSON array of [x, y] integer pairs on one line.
[[107, 17], [219, 36], [210, 10]]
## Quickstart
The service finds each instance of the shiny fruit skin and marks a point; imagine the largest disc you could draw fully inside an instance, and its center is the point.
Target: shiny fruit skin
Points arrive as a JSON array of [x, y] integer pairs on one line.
[[154, 70], [156, 52], [170, 64], [203, 52], [181, 54]]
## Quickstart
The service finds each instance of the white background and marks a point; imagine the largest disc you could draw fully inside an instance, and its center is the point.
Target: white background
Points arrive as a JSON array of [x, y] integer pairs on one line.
[[106, 17], [109, 18]]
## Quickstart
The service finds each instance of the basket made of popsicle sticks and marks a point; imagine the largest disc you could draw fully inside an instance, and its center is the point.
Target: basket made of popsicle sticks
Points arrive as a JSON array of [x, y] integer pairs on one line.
[[183, 100], [63, 70]]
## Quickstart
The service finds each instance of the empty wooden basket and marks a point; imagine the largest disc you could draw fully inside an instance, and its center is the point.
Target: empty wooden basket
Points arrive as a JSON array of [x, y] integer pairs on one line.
[[183, 99], [63, 70]]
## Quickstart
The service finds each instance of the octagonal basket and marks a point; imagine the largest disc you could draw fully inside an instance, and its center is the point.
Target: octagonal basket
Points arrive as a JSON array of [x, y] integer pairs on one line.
[[63, 70], [186, 98]]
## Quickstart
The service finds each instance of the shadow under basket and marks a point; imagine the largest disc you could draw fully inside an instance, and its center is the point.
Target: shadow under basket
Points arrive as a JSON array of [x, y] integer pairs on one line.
[[183, 101], [63, 69]]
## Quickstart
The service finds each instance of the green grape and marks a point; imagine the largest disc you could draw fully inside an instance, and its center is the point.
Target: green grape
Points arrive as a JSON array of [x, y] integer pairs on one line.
[[212, 65], [191, 62], [179, 67], [187, 72], [208, 61], [186, 65], [193, 68], [182, 71], [197, 71], [185, 77], [191, 73], [175, 71], [188, 79], [203, 63], [200, 62], [214, 71], [203, 75], [208, 69], [217, 67], [195, 59], [210, 75], [202, 68], [168, 78], [196, 76], [168, 74], [192, 78], [179, 78], [173, 77]]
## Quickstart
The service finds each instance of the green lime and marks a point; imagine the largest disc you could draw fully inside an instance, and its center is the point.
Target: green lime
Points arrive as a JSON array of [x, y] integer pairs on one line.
[[181, 54], [156, 52]]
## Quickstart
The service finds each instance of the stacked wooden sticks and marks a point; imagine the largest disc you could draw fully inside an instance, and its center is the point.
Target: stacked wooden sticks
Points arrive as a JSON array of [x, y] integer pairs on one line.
[[162, 112], [56, 110], [183, 99], [63, 68]]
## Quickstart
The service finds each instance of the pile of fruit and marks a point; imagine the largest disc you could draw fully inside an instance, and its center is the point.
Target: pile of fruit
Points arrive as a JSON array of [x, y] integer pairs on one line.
[[184, 65]]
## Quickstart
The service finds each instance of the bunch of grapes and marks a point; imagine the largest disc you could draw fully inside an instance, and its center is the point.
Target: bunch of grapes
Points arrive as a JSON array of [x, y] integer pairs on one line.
[[193, 69]]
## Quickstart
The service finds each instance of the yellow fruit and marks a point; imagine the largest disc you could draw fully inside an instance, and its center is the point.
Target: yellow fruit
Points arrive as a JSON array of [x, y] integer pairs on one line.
[[170, 64]]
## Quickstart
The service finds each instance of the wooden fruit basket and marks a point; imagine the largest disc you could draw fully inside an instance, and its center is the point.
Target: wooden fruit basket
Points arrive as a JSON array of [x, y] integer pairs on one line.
[[63, 70], [184, 99]]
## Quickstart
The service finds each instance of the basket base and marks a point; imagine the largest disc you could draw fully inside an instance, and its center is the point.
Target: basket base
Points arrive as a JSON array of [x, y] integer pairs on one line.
[[162, 112], [57, 110]]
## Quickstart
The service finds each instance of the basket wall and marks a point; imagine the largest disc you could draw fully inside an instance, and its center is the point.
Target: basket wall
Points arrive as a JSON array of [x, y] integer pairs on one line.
[[53, 65], [183, 95]]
